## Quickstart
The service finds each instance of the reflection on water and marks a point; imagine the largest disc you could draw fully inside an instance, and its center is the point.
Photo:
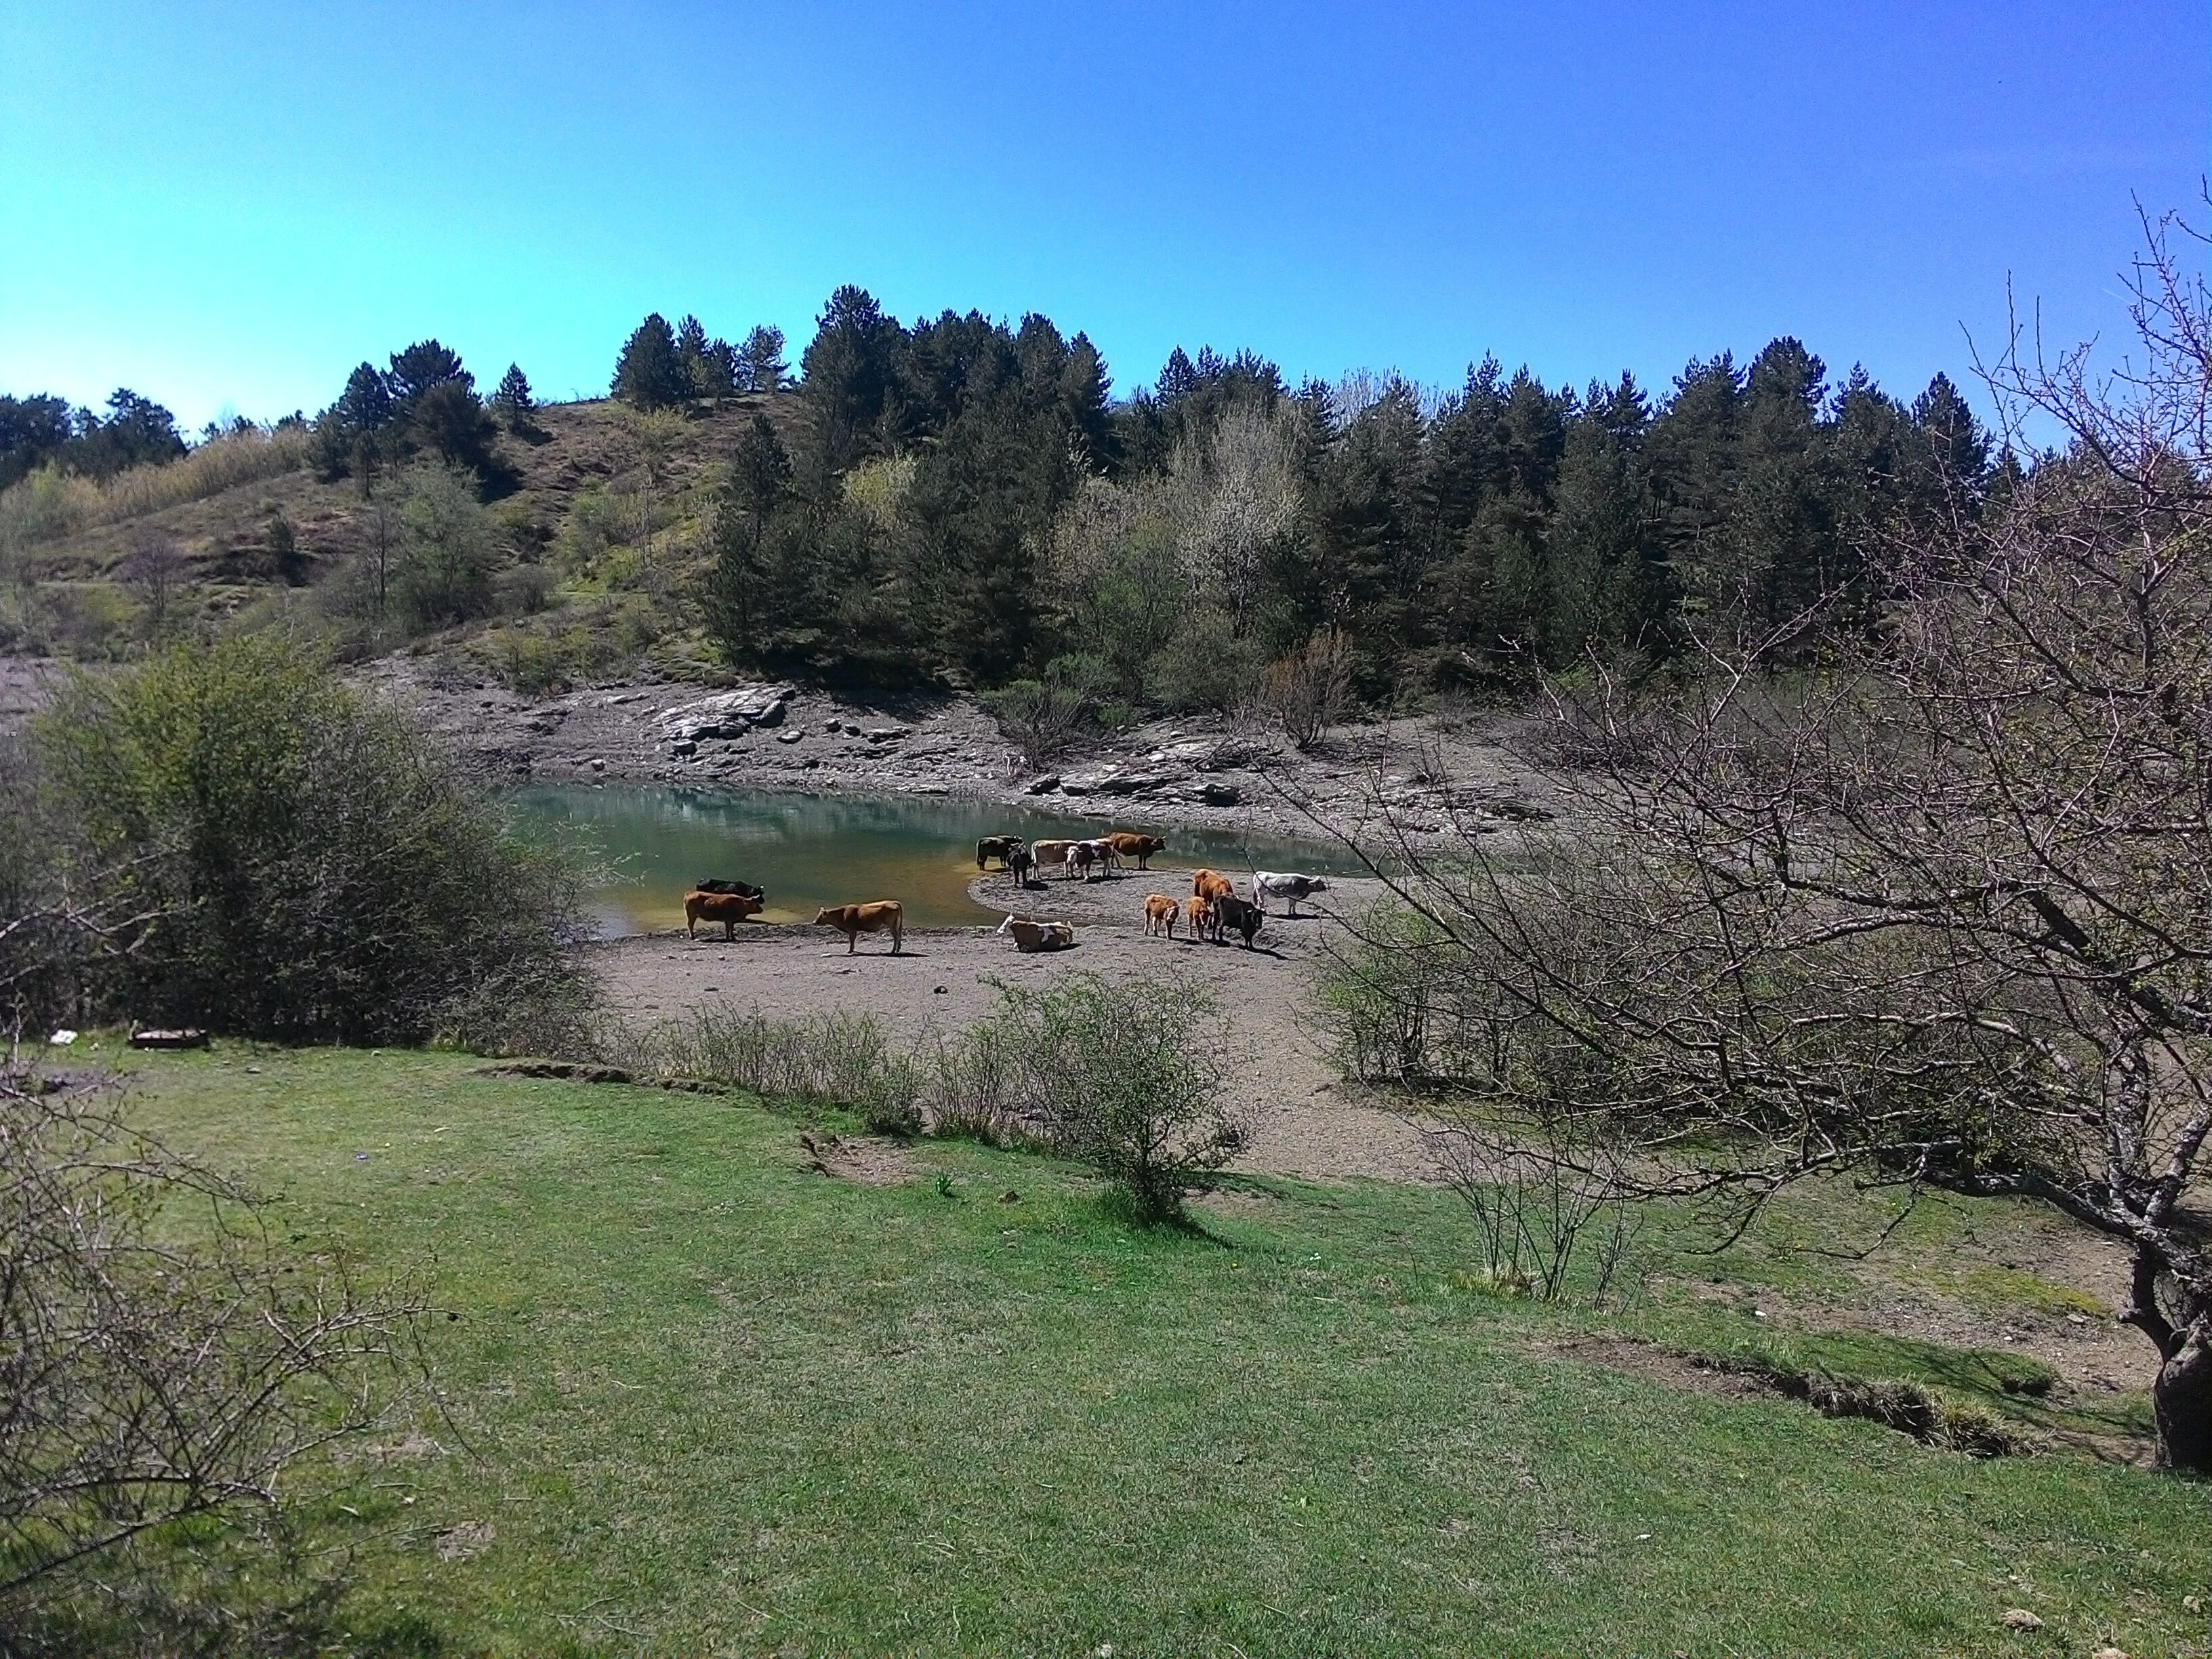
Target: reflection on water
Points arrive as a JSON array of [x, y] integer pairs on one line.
[[811, 850]]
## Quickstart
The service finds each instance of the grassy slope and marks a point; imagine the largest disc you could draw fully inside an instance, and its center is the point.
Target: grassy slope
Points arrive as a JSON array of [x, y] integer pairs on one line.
[[721, 1404], [224, 536]]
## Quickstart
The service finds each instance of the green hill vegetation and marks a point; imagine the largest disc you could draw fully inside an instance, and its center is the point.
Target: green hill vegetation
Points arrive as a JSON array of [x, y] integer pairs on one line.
[[965, 503]]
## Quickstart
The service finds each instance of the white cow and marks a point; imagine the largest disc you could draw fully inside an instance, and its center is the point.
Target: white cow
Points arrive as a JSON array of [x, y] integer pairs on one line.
[[1039, 935], [1267, 884]]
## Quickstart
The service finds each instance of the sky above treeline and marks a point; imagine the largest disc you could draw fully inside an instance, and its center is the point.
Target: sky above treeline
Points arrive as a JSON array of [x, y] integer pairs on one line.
[[227, 206]]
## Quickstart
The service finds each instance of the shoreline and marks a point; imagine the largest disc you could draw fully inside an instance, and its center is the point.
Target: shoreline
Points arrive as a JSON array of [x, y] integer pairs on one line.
[[1194, 773]]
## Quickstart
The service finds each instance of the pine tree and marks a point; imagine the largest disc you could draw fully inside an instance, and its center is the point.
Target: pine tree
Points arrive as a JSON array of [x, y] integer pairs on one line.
[[512, 402], [761, 366], [649, 374]]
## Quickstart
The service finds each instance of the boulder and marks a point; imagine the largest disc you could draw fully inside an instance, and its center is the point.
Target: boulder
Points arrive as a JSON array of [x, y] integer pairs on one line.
[[1043, 784], [726, 713], [1215, 793]]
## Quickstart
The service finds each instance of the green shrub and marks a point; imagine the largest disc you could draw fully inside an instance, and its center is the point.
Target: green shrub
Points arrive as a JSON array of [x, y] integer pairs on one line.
[[282, 857], [1124, 1076], [446, 562]]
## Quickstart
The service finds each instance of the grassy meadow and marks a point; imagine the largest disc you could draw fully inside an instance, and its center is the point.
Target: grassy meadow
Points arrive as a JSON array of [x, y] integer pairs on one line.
[[704, 1400]]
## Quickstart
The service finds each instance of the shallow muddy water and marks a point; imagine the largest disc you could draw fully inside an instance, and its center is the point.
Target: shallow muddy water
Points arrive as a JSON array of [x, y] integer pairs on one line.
[[811, 850]]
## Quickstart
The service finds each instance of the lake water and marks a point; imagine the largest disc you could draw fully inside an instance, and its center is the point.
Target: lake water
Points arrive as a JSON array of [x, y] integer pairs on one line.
[[812, 850]]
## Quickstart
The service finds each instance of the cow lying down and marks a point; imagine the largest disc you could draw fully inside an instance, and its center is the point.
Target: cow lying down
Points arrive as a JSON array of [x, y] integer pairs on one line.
[[746, 888], [1039, 935]]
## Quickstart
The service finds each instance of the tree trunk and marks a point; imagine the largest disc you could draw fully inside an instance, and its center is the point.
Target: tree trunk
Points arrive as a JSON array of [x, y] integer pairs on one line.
[[2181, 1401]]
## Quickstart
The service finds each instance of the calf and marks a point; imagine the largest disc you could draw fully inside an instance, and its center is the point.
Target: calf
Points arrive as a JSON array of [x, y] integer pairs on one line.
[[854, 919], [1212, 885], [1242, 915], [1039, 935], [1205, 917], [743, 887], [728, 908], [1265, 886], [1130, 845], [1001, 847], [1081, 855], [1159, 914]]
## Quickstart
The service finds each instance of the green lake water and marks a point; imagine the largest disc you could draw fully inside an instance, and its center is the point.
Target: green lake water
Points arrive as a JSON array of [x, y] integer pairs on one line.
[[811, 850]]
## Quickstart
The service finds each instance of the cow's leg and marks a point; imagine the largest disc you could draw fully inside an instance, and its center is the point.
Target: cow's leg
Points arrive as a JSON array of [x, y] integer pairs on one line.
[[852, 941]]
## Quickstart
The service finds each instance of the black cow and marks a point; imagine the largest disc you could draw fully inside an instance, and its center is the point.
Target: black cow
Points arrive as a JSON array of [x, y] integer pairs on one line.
[[745, 888], [1242, 915]]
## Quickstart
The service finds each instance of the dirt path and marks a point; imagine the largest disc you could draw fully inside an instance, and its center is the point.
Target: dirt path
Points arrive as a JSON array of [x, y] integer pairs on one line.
[[1305, 1123]]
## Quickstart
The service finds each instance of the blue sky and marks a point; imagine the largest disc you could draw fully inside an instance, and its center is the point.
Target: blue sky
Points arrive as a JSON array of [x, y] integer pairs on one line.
[[229, 205]]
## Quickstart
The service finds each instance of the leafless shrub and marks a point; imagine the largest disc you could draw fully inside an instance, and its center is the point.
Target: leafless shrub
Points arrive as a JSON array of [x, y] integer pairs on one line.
[[840, 1058], [149, 1381], [1538, 1203], [1306, 691], [154, 569]]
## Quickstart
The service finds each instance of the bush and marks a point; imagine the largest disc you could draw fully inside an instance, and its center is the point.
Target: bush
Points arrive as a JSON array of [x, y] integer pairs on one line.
[[1042, 717], [1124, 1076], [278, 857], [831, 1059], [1305, 692], [445, 562]]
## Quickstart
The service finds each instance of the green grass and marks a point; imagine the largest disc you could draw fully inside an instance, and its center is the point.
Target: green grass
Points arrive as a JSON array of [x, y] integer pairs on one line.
[[717, 1404]]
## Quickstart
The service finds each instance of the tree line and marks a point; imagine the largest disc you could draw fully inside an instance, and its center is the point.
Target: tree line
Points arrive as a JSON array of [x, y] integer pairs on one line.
[[964, 500]]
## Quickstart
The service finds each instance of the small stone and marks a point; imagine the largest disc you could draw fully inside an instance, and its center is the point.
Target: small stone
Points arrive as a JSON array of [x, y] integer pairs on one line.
[[791, 736], [1010, 1196], [2108, 1653], [2019, 1619], [598, 765], [687, 748], [1044, 784]]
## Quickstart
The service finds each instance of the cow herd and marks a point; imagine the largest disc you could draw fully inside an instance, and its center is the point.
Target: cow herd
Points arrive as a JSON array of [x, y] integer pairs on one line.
[[1214, 911]]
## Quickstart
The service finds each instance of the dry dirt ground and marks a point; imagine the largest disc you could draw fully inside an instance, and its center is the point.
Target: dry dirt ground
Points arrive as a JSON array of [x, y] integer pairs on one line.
[[1304, 1121]]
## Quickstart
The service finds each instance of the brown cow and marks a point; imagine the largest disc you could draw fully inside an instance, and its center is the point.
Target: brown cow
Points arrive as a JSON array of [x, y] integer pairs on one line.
[[1159, 914], [1212, 885], [854, 919], [1204, 916], [1131, 845], [728, 908]]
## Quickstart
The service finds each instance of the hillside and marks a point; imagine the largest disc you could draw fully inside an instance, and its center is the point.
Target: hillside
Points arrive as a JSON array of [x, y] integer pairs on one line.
[[606, 518]]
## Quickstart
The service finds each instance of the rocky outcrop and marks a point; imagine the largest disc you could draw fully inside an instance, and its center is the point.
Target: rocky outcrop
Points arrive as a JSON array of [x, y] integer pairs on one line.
[[726, 713]]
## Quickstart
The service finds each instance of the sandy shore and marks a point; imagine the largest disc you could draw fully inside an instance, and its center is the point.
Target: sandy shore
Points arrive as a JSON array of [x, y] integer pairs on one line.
[[1306, 1122]]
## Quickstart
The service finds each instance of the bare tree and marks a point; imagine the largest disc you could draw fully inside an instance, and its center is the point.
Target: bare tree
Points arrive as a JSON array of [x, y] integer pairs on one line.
[[154, 569], [1305, 691], [1939, 911], [144, 1381]]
